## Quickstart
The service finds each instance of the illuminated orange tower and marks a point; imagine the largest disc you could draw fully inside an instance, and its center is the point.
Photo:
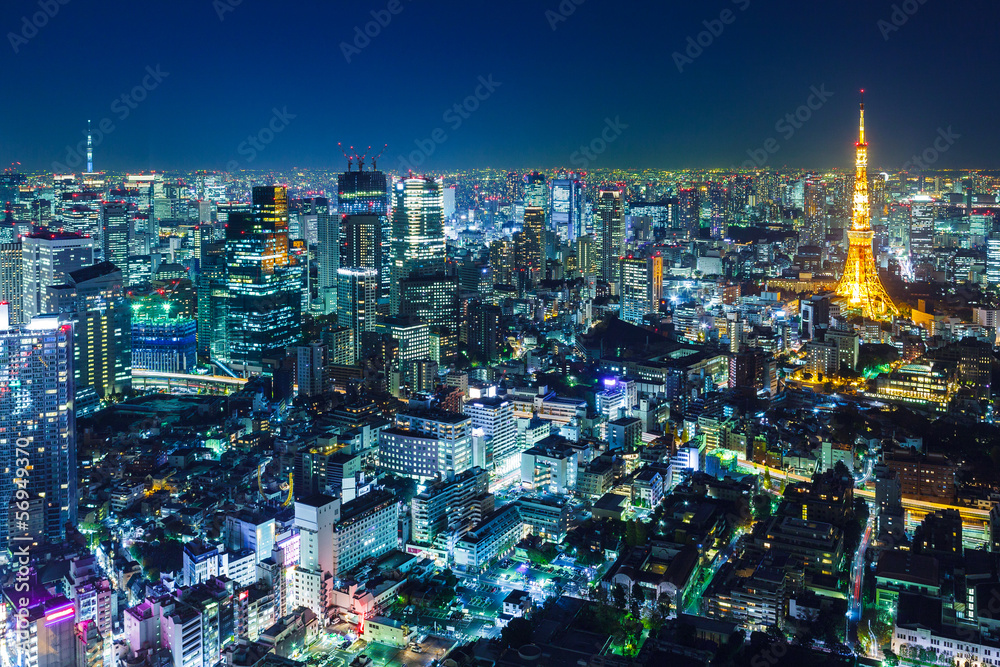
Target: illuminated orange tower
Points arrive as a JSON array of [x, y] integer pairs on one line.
[[859, 287]]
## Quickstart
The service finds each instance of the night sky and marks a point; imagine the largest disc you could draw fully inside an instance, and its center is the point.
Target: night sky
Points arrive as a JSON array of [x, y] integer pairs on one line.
[[557, 87]]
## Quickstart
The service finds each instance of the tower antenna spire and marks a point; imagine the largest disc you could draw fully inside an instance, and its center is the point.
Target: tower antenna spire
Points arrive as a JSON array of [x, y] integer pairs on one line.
[[861, 129], [90, 150], [860, 287]]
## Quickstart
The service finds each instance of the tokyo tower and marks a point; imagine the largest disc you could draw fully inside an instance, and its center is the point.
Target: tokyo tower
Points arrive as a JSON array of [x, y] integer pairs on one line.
[[860, 288]]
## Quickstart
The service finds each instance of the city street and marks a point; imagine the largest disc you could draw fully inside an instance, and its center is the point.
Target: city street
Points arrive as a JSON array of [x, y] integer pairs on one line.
[[857, 579]]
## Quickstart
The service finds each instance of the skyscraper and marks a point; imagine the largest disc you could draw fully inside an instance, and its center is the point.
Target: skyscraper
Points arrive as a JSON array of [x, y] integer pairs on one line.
[[36, 377], [12, 279], [264, 313], [328, 258], [566, 212], [49, 258], [213, 298], [494, 435], [993, 258], [418, 244], [536, 192], [93, 299], [433, 299], [531, 251], [356, 302], [689, 210], [641, 287], [367, 193], [609, 218], [115, 223], [360, 241]]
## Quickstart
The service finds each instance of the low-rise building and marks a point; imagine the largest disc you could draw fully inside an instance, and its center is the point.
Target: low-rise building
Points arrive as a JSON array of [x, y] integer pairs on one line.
[[545, 516], [495, 536]]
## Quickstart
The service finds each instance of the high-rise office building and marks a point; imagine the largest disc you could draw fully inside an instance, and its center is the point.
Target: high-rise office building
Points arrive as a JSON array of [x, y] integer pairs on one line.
[[433, 299], [81, 213], [367, 193], [513, 188], [494, 437], [609, 219], [717, 201], [536, 191], [213, 297], [264, 309], [641, 287], [502, 261], [566, 212], [12, 278], [993, 258], [93, 298], [360, 242], [115, 224], [689, 210], [49, 258], [36, 377], [328, 258], [486, 336], [309, 369], [530, 261], [357, 291], [418, 244], [414, 343], [424, 444]]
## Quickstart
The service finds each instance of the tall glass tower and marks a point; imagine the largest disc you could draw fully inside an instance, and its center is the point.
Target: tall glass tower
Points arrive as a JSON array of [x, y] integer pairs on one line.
[[37, 456], [609, 218], [367, 193], [265, 289], [418, 244]]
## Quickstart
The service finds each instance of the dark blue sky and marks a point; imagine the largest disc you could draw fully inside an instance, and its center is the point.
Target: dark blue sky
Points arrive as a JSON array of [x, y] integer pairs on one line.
[[608, 59]]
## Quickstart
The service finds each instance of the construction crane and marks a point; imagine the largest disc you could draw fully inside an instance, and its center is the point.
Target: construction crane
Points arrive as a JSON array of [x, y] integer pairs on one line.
[[374, 168], [349, 157], [361, 160]]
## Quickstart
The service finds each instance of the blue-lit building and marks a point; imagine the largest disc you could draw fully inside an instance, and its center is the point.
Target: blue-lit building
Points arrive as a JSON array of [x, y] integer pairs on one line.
[[566, 212], [164, 344]]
